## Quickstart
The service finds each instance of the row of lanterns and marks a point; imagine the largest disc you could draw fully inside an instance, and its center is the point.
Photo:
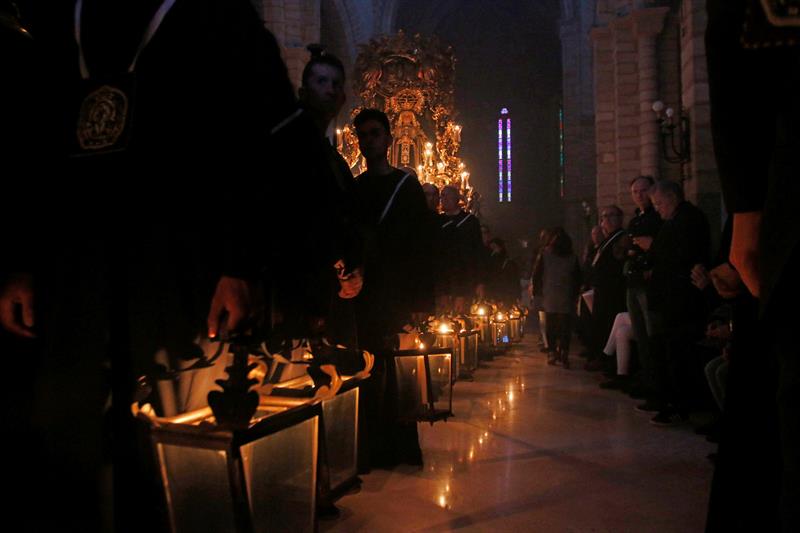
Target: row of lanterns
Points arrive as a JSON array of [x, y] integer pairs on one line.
[[448, 348], [252, 459]]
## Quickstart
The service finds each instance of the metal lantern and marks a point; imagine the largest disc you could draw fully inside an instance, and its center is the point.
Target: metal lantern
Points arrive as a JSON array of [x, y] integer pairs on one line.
[[468, 340], [480, 314], [468, 343], [247, 461], [515, 324], [424, 384], [446, 336], [500, 331], [339, 445], [259, 479]]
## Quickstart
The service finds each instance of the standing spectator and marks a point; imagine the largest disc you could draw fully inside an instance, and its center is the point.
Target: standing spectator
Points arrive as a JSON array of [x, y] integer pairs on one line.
[[584, 323], [643, 226], [560, 281], [536, 282], [677, 308]]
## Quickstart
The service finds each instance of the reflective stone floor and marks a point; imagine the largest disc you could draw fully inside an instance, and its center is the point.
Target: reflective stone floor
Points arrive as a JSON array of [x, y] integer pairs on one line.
[[534, 448]]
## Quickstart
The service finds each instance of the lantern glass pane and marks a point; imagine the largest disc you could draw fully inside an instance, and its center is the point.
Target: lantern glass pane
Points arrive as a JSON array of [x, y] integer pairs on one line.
[[440, 365], [280, 471], [412, 395], [515, 329], [449, 341], [469, 351], [340, 416], [198, 488]]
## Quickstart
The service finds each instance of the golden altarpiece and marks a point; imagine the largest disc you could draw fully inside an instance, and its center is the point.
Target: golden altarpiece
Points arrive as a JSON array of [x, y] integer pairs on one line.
[[411, 79]]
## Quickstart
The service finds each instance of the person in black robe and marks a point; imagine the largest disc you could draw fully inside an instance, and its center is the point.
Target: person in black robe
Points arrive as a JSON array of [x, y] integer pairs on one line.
[[461, 272], [322, 97], [392, 215], [163, 220], [503, 274], [754, 80]]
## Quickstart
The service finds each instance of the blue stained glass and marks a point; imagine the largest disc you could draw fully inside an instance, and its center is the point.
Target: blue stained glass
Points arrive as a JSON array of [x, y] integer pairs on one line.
[[508, 159]]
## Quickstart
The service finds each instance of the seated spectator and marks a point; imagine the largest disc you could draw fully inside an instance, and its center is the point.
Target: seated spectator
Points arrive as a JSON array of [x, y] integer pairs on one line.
[[619, 343]]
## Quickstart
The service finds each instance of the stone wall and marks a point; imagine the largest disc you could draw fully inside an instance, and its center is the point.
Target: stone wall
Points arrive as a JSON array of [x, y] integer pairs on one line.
[[297, 23], [646, 51], [578, 105]]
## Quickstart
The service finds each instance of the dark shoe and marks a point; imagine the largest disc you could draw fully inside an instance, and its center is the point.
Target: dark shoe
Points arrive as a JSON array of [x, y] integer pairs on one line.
[[565, 362], [637, 393], [551, 359], [708, 429], [648, 407], [327, 511], [413, 458], [593, 365], [615, 383], [668, 418]]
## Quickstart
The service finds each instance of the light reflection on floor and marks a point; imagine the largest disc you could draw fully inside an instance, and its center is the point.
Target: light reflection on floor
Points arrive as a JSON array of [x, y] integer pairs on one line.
[[538, 448]]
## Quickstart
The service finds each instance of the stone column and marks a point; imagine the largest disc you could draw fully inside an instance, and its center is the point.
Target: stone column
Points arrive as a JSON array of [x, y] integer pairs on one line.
[[605, 106], [626, 99], [295, 24], [647, 24]]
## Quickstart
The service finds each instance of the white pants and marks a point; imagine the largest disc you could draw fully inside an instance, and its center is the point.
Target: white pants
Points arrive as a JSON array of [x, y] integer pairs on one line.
[[619, 342]]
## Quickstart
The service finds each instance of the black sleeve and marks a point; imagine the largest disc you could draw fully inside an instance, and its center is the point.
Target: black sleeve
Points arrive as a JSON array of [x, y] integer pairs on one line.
[[742, 109], [476, 253]]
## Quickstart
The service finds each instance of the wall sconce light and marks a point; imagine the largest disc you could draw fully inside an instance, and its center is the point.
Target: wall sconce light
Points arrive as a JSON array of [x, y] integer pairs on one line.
[[673, 150]]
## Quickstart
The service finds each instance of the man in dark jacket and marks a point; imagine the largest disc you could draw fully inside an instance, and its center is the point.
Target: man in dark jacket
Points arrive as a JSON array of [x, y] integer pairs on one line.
[[677, 307], [607, 281], [643, 226]]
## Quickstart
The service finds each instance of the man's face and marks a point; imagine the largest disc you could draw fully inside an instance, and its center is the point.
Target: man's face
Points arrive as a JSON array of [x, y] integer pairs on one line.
[[664, 204], [640, 193], [324, 90], [610, 221], [450, 200], [431, 196], [373, 140], [597, 235]]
